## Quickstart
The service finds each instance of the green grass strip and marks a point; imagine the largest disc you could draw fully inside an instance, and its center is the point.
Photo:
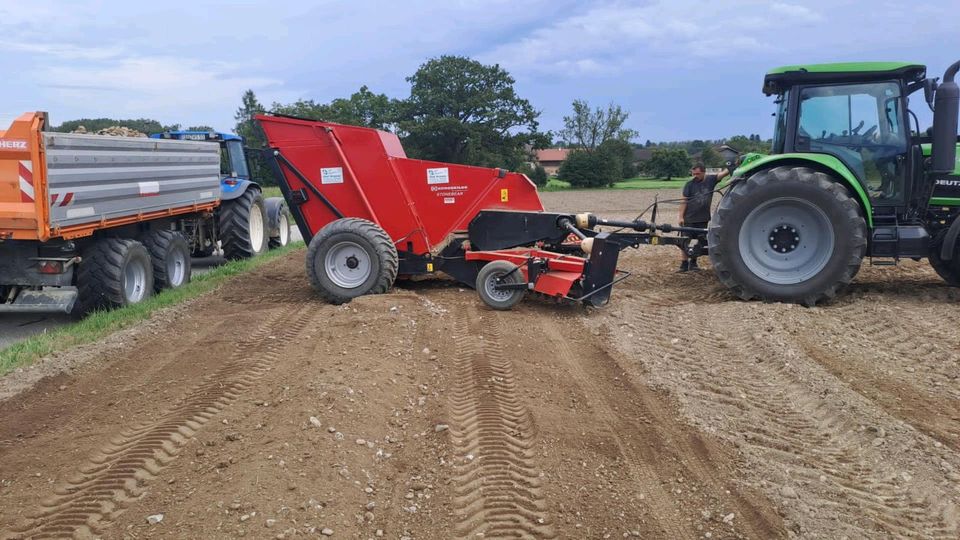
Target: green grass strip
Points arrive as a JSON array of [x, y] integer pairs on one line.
[[555, 184], [99, 324]]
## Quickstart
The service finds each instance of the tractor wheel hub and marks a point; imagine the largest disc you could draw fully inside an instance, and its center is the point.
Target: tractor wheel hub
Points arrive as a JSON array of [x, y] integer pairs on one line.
[[784, 238]]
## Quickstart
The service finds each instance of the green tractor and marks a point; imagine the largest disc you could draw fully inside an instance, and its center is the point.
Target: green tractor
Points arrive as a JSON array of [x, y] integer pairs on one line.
[[850, 176]]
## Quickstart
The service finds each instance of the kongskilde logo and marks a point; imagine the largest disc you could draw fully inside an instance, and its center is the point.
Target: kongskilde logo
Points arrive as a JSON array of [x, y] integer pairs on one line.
[[12, 144]]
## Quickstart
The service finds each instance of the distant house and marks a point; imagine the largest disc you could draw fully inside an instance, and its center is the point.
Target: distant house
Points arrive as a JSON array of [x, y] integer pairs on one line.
[[551, 159]]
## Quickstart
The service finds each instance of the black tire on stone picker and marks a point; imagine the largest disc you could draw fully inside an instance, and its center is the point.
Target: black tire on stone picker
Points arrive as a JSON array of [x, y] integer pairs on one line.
[[508, 273], [351, 257]]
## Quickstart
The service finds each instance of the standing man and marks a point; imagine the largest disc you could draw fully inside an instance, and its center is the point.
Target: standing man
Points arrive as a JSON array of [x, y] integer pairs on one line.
[[695, 206]]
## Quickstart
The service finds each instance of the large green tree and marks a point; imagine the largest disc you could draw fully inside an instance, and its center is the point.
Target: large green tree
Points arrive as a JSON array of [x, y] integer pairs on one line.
[[668, 163], [590, 169], [462, 111], [588, 128], [362, 108]]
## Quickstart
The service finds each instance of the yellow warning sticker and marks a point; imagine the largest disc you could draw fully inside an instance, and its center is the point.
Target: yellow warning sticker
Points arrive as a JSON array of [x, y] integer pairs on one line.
[[429, 267], [504, 195]]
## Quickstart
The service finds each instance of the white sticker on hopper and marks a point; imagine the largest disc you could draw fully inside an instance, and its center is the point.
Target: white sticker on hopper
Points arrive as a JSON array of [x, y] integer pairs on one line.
[[438, 176], [149, 188], [449, 200], [332, 175], [206, 194], [86, 211]]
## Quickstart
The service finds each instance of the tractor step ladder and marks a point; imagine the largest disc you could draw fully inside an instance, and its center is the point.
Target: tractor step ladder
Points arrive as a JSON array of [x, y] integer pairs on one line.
[[885, 241]]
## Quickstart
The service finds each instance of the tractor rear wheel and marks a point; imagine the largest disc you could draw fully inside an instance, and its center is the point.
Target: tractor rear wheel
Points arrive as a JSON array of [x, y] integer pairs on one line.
[[948, 270], [351, 257], [243, 226], [503, 272], [787, 234]]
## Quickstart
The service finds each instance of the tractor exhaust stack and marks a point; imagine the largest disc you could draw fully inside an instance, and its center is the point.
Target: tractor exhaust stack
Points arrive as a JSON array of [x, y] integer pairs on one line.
[[945, 112]]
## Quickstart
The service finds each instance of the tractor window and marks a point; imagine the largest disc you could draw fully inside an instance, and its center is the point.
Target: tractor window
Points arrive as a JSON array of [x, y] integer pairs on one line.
[[860, 124], [780, 130], [234, 161]]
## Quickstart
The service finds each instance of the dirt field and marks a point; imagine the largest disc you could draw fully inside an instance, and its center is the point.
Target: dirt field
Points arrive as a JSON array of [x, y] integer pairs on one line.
[[674, 412]]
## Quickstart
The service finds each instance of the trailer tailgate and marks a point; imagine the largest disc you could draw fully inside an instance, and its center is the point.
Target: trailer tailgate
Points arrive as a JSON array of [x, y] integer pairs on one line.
[[22, 217]]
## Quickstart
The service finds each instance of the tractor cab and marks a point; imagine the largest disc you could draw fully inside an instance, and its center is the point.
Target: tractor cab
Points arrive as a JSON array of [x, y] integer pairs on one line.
[[234, 167], [858, 114], [851, 176]]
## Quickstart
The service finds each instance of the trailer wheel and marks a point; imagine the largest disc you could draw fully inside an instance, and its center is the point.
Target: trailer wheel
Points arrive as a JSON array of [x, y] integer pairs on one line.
[[787, 234], [351, 257], [113, 272], [243, 226], [283, 232], [507, 273], [170, 255]]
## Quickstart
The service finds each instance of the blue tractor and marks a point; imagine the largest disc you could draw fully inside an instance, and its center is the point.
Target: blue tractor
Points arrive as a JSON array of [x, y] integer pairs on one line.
[[245, 224]]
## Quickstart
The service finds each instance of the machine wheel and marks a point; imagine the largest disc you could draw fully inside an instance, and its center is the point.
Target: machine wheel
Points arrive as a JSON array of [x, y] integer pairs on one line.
[[787, 234], [351, 257], [487, 280], [113, 272], [243, 226], [283, 232], [948, 270], [170, 255]]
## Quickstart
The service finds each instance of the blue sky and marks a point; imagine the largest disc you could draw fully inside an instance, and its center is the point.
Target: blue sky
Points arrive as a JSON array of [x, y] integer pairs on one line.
[[684, 69]]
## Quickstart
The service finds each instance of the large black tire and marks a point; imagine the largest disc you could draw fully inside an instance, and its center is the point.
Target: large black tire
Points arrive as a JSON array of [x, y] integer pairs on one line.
[[113, 272], [507, 272], [351, 257], [243, 226], [804, 239], [170, 255], [948, 270]]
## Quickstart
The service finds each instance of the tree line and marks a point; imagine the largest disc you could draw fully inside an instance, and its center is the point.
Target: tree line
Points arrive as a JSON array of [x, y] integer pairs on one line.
[[462, 111]]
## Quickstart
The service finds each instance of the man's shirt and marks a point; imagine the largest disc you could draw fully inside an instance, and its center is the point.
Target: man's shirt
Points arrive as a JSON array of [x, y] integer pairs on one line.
[[699, 198]]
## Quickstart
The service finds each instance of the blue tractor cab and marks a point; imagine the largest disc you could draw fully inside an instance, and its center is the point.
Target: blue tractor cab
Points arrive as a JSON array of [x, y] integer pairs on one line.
[[234, 168]]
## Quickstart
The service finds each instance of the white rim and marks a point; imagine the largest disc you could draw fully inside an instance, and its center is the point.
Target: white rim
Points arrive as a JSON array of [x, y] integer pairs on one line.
[[176, 268], [284, 229], [256, 228], [134, 281], [348, 265]]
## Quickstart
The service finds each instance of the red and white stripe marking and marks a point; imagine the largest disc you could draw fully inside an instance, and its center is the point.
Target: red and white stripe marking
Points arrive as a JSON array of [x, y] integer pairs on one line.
[[65, 201], [27, 193]]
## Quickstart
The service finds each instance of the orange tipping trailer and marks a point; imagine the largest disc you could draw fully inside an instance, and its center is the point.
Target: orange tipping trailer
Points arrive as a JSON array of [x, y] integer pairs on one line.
[[65, 185], [97, 218]]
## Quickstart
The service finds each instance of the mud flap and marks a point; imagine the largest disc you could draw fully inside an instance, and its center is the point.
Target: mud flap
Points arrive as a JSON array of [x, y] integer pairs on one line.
[[59, 300], [601, 269]]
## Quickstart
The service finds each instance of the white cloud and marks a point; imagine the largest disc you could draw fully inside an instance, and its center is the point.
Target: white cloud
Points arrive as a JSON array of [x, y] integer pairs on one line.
[[613, 37], [168, 88], [795, 12]]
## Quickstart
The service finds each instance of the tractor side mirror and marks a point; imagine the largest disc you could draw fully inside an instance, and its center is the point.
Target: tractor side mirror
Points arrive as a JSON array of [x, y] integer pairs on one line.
[[929, 90]]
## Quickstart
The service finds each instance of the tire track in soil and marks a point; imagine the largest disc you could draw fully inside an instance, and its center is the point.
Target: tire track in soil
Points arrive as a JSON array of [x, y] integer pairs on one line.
[[498, 486], [789, 427], [874, 332], [653, 442], [118, 474]]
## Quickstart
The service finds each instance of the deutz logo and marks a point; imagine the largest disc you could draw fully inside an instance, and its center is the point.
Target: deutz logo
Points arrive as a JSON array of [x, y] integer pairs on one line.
[[948, 183], [12, 144]]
